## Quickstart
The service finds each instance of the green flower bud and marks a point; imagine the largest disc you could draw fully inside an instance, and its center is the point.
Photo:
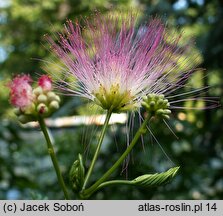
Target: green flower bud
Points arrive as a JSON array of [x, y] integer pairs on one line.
[[160, 102], [160, 112], [152, 104], [165, 101], [57, 98], [166, 111], [51, 96], [42, 98], [144, 104], [54, 105], [161, 96], [37, 91]]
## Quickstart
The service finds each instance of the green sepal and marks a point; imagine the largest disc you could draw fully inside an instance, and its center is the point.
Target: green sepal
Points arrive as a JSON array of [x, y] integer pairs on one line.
[[77, 174], [150, 180]]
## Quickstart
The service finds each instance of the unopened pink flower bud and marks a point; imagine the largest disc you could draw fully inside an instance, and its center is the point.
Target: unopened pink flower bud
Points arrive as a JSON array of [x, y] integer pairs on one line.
[[21, 91], [45, 82]]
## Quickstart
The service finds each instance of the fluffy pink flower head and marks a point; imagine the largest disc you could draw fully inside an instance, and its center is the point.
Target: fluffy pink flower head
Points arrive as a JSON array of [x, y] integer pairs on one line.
[[116, 67], [45, 82], [21, 91]]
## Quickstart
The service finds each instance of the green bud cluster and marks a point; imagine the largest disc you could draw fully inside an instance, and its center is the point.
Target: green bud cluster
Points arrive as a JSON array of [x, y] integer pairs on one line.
[[46, 101], [44, 104], [157, 105]]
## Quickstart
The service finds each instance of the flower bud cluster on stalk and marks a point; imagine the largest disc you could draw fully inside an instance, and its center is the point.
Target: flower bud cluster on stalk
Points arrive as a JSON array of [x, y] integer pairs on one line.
[[32, 102], [156, 105]]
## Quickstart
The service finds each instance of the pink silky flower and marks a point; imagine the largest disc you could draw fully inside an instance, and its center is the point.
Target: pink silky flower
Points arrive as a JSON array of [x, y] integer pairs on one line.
[[117, 68], [21, 91], [45, 82]]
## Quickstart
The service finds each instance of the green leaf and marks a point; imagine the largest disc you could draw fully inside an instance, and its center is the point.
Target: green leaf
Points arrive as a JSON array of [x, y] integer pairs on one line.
[[149, 180]]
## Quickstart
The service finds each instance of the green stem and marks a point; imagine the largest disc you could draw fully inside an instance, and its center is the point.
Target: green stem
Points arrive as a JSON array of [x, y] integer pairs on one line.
[[53, 157], [95, 186], [108, 115]]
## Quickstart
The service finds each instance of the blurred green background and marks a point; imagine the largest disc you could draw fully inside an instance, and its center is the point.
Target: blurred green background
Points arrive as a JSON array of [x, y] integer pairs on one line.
[[25, 168]]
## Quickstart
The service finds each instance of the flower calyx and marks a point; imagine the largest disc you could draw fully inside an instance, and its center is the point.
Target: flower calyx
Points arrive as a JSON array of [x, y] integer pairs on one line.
[[114, 99]]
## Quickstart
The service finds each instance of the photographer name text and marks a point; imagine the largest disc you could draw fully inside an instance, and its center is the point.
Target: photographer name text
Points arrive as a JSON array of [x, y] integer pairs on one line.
[[43, 207]]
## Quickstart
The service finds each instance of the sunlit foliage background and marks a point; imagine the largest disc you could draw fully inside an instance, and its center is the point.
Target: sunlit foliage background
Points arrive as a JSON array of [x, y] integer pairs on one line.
[[25, 169]]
